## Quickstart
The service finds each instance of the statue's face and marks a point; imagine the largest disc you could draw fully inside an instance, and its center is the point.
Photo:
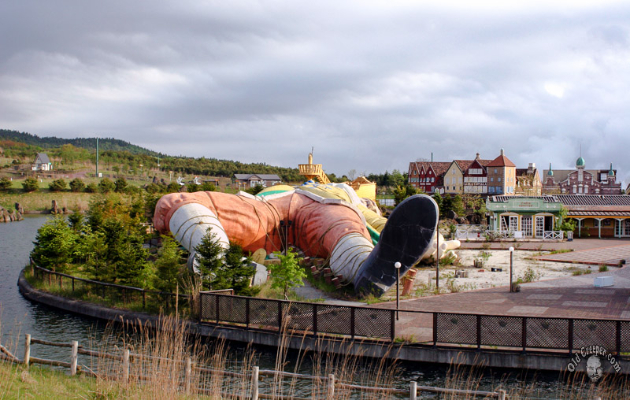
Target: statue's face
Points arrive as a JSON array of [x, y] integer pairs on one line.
[[594, 368]]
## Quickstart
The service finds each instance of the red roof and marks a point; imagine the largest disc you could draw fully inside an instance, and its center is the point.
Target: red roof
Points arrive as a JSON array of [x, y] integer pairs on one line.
[[438, 166], [501, 161]]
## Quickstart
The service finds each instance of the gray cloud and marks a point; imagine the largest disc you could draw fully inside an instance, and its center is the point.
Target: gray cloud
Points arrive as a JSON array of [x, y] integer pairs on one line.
[[372, 85]]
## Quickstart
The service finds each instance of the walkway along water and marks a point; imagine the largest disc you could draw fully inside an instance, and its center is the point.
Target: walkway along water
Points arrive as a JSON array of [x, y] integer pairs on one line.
[[518, 342]]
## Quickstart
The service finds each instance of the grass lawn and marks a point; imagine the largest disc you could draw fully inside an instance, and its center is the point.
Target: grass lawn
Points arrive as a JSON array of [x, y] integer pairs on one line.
[[17, 382], [42, 200]]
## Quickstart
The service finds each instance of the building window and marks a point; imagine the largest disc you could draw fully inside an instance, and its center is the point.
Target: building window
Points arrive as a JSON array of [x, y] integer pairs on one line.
[[498, 179]]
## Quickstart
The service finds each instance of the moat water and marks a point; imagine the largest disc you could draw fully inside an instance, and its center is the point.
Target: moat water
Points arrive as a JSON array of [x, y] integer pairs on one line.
[[20, 316]]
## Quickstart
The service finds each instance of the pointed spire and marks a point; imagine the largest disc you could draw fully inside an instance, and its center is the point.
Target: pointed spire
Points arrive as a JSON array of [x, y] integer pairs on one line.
[[550, 172], [611, 172]]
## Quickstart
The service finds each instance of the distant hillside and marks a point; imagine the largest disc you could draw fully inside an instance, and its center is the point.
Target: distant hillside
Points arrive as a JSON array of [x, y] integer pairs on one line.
[[104, 144]]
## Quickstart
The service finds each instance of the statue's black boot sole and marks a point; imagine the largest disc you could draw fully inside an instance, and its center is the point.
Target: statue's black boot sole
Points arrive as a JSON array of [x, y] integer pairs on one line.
[[405, 238]]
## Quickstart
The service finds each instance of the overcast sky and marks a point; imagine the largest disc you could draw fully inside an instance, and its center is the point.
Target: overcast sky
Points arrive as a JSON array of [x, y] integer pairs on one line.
[[371, 85]]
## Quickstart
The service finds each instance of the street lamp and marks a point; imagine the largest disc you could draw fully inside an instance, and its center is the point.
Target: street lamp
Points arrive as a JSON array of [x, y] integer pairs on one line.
[[397, 266], [511, 259]]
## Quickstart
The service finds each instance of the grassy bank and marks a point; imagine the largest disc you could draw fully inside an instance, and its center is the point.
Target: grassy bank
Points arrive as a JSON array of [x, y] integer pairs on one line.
[[42, 200], [17, 382]]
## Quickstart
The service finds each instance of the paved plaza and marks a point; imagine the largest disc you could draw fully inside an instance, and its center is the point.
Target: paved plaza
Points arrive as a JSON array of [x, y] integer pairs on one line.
[[567, 297]]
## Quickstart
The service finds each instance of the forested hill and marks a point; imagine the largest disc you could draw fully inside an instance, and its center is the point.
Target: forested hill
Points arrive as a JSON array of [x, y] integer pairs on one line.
[[104, 144]]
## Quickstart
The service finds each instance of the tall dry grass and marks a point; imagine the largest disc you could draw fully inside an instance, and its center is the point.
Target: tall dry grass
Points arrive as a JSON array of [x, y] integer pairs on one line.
[[160, 353]]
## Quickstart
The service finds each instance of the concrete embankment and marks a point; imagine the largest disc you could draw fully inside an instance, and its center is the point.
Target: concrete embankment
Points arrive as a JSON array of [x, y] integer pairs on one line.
[[511, 359]]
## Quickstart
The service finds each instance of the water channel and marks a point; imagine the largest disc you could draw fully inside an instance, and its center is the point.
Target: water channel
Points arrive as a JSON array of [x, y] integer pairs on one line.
[[20, 316]]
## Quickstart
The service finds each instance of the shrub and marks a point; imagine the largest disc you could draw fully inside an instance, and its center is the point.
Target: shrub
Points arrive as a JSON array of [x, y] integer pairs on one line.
[[530, 275], [91, 188], [152, 188], [288, 274], [120, 185], [58, 185], [106, 185], [5, 183], [603, 268], [173, 187], [208, 187], [30, 185], [255, 189], [77, 185]]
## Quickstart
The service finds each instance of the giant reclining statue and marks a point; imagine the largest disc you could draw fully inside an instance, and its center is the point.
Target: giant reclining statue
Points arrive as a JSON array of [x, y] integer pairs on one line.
[[327, 221]]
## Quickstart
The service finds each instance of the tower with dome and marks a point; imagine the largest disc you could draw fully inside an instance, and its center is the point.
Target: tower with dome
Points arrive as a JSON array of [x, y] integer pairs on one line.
[[581, 181]]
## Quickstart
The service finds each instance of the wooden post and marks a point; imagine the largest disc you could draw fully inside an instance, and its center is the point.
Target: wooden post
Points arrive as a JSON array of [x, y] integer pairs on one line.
[[27, 350], [279, 316], [331, 387], [570, 334], [352, 325], [188, 374], [255, 383], [144, 299], [74, 357], [126, 365], [478, 332], [392, 328], [502, 395], [435, 328], [618, 339], [314, 320], [413, 390], [177, 300], [247, 312]]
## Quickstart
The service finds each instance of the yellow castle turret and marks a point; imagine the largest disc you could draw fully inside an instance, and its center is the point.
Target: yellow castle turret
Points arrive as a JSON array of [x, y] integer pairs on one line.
[[313, 171]]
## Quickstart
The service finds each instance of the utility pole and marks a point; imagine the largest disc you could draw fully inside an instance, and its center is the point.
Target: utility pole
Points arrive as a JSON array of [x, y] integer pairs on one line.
[[97, 157]]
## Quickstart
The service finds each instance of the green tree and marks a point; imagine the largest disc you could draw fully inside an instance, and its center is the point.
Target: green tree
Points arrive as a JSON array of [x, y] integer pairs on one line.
[[255, 189], [239, 269], [438, 200], [91, 188], [92, 253], [168, 265], [402, 192], [58, 185], [120, 185], [458, 205], [106, 186], [208, 187], [192, 187], [54, 245], [132, 267], [173, 187], [288, 274], [30, 185], [563, 223], [77, 185], [223, 269], [5, 184], [208, 255], [447, 205], [152, 188]]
